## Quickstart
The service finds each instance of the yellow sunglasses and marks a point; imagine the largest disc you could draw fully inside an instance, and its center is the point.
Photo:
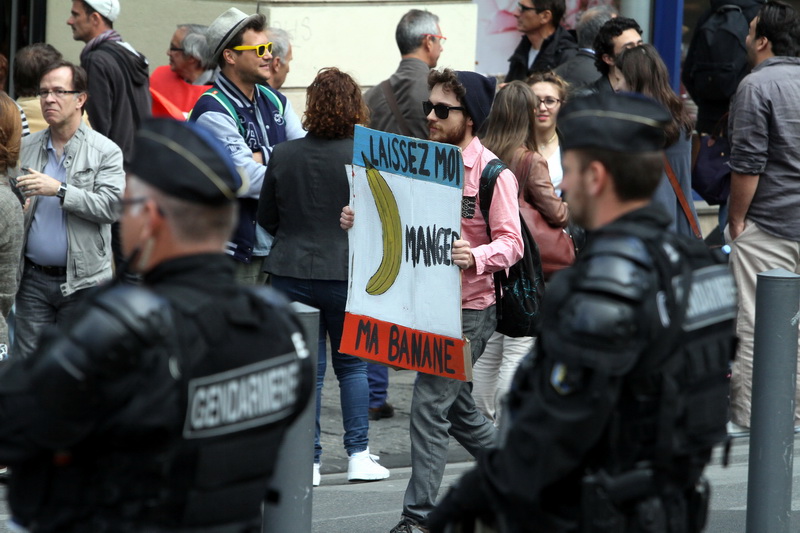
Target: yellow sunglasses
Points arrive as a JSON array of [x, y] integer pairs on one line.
[[261, 49]]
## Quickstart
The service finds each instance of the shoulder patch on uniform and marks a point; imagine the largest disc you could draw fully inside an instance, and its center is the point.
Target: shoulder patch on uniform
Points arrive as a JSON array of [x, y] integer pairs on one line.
[[563, 381], [242, 398]]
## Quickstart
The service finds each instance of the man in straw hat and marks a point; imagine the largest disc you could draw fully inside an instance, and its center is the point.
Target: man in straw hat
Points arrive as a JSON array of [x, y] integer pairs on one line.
[[161, 407]]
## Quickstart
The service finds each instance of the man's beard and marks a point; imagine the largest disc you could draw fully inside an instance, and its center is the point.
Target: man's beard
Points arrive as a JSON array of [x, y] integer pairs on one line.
[[453, 137]]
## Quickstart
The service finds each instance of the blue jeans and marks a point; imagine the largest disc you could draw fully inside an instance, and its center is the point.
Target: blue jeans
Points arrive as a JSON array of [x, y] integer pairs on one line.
[[39, 304], [441, 407], [378, 378], [330, 297]]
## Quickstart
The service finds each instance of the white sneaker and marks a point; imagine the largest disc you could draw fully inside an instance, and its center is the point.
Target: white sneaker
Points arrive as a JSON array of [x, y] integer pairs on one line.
[[735, 430], [316, 477], [363, 467]]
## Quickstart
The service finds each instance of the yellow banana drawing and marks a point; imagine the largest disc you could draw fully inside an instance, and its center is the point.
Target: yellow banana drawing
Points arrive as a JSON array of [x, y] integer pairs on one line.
[[387, 272]]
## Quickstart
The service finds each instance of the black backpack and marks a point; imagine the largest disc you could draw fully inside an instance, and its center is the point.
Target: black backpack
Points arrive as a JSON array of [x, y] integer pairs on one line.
[[718, 55], [523, 287]]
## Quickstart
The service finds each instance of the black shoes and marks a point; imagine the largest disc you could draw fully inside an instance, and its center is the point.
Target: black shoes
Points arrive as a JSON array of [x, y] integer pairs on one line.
[[384, 411]]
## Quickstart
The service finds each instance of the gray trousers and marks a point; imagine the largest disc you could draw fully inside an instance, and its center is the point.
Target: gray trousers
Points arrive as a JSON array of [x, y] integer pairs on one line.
[[441, 407]]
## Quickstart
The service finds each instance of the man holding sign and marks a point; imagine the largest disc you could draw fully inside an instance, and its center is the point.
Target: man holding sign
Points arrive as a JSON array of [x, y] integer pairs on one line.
[[457, 107]]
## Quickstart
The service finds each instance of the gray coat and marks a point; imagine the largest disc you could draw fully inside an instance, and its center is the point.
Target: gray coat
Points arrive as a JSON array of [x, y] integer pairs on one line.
[[95, 182]]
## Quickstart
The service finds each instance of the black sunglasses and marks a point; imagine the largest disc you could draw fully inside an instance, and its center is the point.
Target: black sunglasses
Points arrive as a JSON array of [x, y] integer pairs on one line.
[[526, 8], [442, 111]]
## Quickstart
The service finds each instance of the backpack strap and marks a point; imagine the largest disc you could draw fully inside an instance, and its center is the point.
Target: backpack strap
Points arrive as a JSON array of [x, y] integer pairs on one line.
[[676, 187], [225, 102], [272, 97], [388, 93], [489, 176]]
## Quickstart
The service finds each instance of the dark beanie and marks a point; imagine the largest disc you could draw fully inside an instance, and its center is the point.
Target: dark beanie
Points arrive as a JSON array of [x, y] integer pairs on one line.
[[183, 159], [478, 100]]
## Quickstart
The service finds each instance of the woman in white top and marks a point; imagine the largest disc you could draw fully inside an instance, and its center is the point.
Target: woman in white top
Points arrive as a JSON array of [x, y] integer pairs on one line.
[[551, 92]]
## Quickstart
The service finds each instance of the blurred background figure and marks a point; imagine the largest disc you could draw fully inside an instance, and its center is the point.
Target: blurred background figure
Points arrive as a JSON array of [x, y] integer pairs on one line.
[[643, 71], [511, 136], [304, 190], [176, 87], [29, 65], [545, 44], [581, 69], [281, 57]]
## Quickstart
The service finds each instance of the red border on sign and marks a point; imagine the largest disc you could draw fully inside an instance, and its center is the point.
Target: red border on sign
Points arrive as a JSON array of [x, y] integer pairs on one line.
[[401, 347]]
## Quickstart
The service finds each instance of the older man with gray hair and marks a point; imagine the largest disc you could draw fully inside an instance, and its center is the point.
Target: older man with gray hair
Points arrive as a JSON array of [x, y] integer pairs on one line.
[[580, 69], [395, 105], [281, 56], [176, 87]]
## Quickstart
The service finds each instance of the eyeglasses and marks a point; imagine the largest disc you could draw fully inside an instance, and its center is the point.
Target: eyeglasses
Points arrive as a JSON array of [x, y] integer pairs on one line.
[[442, 111], [549, 102], [120, 205], [261, 49], [528, 8], [176, 49], [441, 38], [58, 93]]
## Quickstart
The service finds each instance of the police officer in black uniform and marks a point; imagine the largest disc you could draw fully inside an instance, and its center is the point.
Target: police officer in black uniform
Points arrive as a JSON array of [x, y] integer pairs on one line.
[[159, 408], [614, 415]]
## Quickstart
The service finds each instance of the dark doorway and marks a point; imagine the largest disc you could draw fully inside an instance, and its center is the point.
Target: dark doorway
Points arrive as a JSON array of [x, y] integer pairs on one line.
[[22, 22]]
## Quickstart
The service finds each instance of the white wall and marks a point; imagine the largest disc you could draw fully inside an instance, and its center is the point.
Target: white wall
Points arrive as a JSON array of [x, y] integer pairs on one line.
[[356, 37]]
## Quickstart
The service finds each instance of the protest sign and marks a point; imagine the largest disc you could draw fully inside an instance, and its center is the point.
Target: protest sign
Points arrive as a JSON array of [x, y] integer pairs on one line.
[[404, 294]]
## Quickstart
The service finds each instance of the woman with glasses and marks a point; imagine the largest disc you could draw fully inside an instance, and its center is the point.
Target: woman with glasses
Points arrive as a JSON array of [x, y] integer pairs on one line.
[[551, 92], [510, 134], [643, 71], [11, 226], [303, 193]]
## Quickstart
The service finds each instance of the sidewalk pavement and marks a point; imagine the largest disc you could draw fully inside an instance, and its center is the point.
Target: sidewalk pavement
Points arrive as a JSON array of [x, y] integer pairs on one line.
[[388, 437]]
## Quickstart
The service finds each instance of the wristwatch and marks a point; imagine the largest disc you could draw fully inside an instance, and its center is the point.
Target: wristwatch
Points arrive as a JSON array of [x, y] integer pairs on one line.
[[62, 190]]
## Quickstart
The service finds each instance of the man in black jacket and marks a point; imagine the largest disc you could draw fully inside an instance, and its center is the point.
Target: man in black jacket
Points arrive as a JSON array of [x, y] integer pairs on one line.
[[545, 44], [159, 407], [614, 416], [581, 70], [119, 77], [711, 110]]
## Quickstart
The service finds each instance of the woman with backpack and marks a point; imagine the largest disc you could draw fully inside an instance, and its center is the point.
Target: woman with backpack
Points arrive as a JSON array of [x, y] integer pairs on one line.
[[511, 136]]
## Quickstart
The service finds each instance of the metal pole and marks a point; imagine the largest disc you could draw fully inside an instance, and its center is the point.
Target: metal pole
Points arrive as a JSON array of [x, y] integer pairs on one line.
[[293, 469], [769, 480], [12, 48]]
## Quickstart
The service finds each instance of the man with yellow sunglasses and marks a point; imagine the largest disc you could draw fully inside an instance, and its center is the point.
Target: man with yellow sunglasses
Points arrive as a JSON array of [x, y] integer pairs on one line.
[[249, 118]]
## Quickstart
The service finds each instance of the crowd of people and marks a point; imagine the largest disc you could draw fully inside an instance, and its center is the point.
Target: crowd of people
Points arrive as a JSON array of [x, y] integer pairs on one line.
[[193, 213]]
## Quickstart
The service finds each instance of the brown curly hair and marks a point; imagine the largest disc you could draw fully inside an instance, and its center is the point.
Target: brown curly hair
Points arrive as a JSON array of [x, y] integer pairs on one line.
[[10, 132], [334, 105]]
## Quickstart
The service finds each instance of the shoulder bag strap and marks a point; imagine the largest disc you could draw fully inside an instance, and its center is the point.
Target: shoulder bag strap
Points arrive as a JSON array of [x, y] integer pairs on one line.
[[681, 198], [392, 101]]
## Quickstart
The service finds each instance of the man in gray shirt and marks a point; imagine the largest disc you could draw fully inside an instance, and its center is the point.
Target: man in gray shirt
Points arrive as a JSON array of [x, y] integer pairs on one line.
[[420, 40], [763, 227], [73, 180]]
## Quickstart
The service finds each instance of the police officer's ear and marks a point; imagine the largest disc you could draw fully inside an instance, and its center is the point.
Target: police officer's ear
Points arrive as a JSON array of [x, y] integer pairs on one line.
[[597, 178]]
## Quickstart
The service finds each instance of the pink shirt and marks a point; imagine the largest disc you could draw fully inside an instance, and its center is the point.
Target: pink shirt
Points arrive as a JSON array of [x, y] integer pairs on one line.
[[505, 247]]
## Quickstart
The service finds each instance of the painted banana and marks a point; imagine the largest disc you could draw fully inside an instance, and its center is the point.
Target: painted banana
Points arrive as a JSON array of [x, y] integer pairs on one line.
[[387, 272]]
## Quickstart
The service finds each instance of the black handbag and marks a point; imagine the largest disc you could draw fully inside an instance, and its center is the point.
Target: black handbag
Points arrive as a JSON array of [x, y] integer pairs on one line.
[[711, 174]]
